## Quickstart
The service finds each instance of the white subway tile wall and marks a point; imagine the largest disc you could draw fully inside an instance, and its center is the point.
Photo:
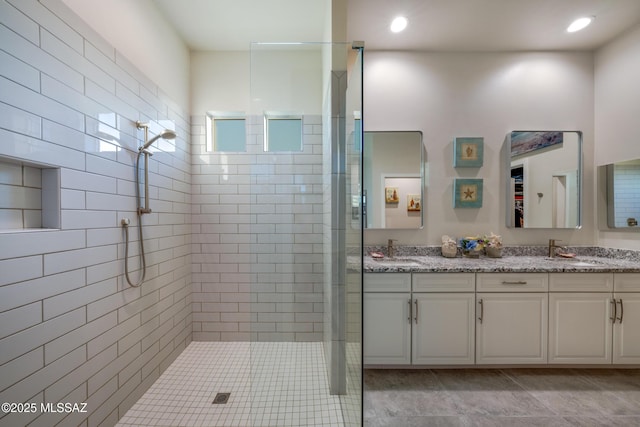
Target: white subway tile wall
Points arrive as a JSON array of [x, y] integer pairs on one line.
[[257, 248], [71, 328]]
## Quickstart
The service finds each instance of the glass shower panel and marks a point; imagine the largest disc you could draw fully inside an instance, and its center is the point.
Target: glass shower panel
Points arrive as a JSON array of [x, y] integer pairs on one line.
[[351, 400], [300, 240]]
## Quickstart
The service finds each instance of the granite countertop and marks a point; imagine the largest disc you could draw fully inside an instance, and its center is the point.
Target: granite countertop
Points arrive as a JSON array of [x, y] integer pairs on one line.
[[594, 260], [508, 264]]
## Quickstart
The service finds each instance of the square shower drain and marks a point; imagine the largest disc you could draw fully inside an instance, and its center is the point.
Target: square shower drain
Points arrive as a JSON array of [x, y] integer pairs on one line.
[[221, 398]]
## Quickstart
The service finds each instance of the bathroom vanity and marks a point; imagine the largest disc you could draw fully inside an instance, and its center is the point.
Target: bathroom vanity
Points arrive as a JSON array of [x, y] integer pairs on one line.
[[517, 310]]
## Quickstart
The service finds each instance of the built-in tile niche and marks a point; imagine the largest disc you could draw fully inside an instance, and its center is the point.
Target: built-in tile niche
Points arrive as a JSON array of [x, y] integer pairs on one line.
[[29, 196]]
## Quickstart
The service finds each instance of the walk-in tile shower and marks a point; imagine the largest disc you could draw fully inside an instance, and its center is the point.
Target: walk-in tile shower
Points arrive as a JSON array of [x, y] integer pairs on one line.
[[252, 256], [277, 237]]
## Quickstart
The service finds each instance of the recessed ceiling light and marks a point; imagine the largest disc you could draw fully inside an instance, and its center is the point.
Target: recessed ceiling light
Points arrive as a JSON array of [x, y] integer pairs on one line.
[[579, 24], [399, 24]]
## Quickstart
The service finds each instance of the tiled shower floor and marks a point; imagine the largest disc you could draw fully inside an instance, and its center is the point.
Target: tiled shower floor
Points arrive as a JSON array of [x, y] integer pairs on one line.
[[271, 384]]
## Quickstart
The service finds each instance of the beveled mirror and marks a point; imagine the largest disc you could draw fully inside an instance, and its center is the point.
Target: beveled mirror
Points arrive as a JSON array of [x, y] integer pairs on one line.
[[544, 178], [393, 177]]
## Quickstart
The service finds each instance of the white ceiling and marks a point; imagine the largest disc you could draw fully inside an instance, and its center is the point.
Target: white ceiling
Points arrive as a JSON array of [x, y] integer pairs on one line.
[[434, 25], [234, 24]]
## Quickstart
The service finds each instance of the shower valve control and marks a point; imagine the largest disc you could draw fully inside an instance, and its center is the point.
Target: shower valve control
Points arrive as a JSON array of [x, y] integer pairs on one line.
[[125, 222]]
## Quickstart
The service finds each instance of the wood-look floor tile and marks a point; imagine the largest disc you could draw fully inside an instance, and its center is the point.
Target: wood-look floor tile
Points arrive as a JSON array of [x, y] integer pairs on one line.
[[570, 393], [489, 392], [430, 421]]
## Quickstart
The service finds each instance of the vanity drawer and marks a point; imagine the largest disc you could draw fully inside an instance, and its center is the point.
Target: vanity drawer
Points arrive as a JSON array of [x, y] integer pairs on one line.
[[512, 282], [387, 282], [581, 282], [626, 282], [444, 282]]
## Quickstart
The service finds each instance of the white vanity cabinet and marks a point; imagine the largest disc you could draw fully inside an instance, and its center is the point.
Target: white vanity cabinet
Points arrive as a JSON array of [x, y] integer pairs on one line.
[[387, 318], [581, 309], [626, 326], [429, 323], [501, 318], [511, 313], [443, 318]]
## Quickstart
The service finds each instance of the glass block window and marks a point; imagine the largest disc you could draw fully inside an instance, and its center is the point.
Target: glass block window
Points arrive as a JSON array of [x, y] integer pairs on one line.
[[226, 132], [283, 132]]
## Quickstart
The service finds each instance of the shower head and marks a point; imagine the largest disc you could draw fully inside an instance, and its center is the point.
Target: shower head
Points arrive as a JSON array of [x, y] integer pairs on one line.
[[166, 134]]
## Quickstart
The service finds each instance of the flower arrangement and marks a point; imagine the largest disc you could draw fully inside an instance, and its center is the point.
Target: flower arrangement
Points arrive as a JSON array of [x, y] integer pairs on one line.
[[472, 245]]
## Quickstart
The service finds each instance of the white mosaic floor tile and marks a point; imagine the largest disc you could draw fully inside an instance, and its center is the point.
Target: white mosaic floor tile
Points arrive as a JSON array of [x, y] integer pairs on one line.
[[271, 384]]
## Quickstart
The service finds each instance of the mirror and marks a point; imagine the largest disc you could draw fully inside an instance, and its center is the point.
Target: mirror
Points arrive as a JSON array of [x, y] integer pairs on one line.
[[393, 180], [623, 190], [544, 174]]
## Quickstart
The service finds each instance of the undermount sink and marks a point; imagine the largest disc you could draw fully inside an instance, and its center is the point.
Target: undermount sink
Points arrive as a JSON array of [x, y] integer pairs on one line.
[[400, 262], [575, 262], [583, 264]]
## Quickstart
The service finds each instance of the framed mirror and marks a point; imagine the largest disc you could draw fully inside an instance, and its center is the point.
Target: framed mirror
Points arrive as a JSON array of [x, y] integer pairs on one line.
[[393, 177], [544, 178], [623, 193]]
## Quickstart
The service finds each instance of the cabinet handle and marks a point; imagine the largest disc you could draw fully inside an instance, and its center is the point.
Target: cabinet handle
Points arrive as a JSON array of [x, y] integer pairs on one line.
[[615, 310], [416, 318], [481, 310], [410, 312], [621, 311], [514, 282]]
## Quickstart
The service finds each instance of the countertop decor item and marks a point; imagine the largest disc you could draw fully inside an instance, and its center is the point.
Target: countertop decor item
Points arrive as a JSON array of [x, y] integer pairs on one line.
[[471, 246], [493, 245], [449, 247], [493, 252]]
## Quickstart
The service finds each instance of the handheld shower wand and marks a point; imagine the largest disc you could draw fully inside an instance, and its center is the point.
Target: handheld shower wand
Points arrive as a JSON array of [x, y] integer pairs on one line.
[[166, 134]]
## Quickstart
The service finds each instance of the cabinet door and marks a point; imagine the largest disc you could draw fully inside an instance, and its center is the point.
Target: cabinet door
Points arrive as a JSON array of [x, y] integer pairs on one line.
[[387, 328], [511, 328], [626, 329], [443, 328], [580, 327]]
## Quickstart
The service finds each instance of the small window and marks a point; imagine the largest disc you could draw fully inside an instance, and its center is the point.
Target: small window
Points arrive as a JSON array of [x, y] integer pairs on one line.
[[283, 132], [226, 132]]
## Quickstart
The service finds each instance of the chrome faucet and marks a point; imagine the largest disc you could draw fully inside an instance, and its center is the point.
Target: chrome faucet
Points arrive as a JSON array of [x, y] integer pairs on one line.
[[390, 248], [553, 247]]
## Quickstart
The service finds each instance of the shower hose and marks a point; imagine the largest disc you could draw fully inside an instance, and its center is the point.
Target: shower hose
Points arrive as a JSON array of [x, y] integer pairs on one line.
[[125, 225]]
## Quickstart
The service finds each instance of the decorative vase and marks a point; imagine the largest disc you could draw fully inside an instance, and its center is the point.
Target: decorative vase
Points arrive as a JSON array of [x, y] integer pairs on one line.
[[449, 250], [493, 252], [471, 253]]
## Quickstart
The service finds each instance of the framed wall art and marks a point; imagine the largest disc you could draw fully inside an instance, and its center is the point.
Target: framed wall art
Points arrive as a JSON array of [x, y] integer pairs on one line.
[[523, 142], [391, 195], [468, 152], [467, 193], [414, 203]]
